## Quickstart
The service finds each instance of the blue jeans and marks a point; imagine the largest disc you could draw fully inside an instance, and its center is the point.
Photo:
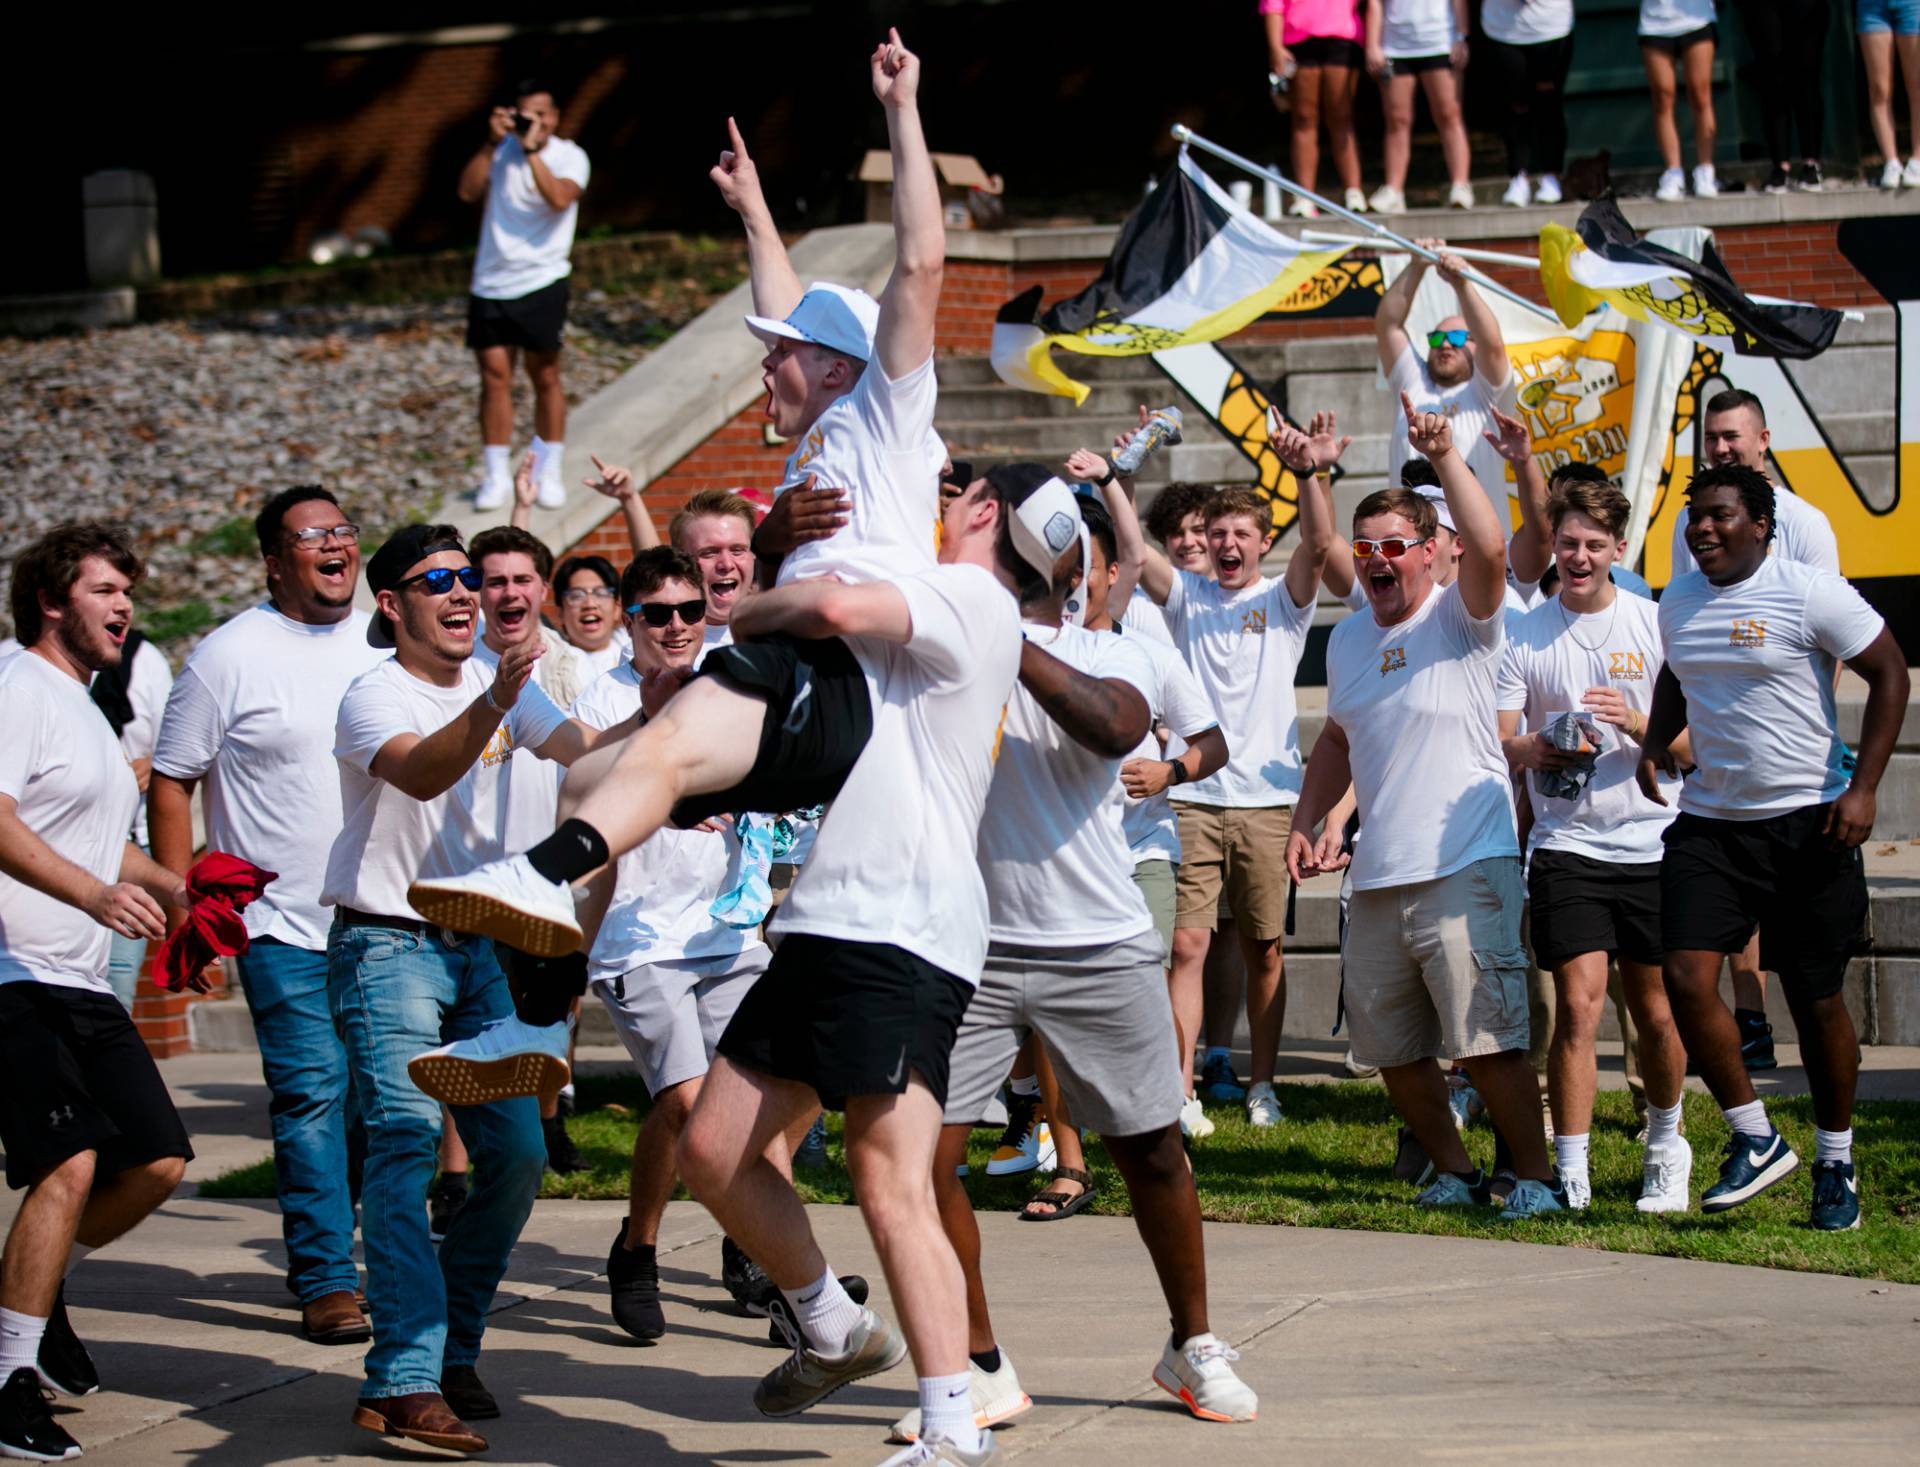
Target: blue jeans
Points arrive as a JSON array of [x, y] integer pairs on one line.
[[312, 1111], [393, 994]]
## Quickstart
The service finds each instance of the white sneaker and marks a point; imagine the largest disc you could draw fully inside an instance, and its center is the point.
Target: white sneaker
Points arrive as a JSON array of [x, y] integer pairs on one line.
[[1664, 1175], [1547, 191], [1673, 187], [1194, 1124], [1356, 201], [552, 493], [1388, 200], [505, 900], [497, 493], [1263, 1108], [506, 1059], [1579, 1187], [937, 1449], [1705, 185], [1911, 177], [1891, 174], [1358, 1070], [995, 1398], [1460, 196], [1518, 194], [1200, 1374], [1301, 209]]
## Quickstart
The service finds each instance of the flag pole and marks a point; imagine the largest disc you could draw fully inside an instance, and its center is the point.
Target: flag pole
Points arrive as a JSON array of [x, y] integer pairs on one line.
[[1479, 257], [1185, 136]]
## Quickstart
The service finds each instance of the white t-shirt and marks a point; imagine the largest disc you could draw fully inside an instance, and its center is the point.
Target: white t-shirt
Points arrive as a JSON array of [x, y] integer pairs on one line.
[[1755, 660], [71, 787], [663, 887], [389, 839], [1417, 28], [524, 241], [1244, 648], [895, 860], [253, 713], [1800, 532], [1181, 707], [593, 665], [1674, 17], [533, 794], [1469, 408], [1553, 656], [1053, 845], [878, 444], [1142, 618], [1417, 702], [1526, 22], [148, 685]]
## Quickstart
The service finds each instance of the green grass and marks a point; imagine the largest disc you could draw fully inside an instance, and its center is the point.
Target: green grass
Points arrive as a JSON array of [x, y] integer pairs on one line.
[[1328, 1166], [235, 537], [171, 623]]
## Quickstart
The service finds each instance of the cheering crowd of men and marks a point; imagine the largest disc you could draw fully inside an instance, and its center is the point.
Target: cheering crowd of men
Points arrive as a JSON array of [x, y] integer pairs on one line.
[[1024, 755]]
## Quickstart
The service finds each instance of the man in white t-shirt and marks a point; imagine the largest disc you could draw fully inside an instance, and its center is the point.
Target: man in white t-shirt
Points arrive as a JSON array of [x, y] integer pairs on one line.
[[251, 715], [1434, 966], [1464, 376], [1734, 431], [1242, 634], [1770, 824], [531, 180], [425, 743], [90, 1134], [1583, 663]]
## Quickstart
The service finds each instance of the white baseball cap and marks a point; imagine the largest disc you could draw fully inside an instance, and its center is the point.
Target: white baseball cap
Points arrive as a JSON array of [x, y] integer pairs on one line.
[[1437, 497], [837, 317], [1045, 523]]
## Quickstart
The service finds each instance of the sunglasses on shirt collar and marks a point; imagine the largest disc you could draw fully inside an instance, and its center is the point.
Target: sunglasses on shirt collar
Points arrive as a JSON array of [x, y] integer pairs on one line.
[[1457, 337], [660, 613], [440, 579]]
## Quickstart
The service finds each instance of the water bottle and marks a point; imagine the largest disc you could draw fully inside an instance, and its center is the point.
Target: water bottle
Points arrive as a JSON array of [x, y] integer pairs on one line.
[[1162, 426]]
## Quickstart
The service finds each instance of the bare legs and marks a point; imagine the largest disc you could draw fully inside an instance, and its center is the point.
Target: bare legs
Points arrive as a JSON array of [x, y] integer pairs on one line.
[[64, 1206], [496, 394], [1581, 999], [1443, 101], [1697, 63]]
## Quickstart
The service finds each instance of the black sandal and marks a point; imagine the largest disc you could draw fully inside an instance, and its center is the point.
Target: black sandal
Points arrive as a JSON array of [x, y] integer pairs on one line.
[[1063, 1205]]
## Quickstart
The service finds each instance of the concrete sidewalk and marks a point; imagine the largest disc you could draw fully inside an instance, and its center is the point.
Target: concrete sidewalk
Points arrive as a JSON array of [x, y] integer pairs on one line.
[[1365, 1347]]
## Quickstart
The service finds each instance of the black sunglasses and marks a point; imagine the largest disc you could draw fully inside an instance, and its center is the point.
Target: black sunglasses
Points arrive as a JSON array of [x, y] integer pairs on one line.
[[440, 579], [660, 613]]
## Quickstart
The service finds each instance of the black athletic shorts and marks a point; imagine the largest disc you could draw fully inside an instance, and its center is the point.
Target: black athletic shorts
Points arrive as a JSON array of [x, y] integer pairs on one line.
[[78, 1078], [1583, 905], [819, 717], [1721, 878], [1414, 65], [534, 322], [1329, 51], [1674, 45], [848, 1018]]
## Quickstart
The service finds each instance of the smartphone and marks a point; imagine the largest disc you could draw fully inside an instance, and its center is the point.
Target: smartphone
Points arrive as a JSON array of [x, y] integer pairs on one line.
[[522, 123]]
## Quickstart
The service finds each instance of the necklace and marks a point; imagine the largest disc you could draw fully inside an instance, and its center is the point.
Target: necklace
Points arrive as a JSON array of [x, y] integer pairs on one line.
[[1571, 632]]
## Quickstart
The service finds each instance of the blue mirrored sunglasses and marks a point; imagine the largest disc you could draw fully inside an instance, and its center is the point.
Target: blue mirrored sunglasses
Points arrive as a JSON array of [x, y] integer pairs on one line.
[[1457, 337], [440, 579]]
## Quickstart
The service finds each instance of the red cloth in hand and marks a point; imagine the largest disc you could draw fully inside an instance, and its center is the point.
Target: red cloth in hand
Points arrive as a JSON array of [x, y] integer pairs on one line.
[[220, 887]]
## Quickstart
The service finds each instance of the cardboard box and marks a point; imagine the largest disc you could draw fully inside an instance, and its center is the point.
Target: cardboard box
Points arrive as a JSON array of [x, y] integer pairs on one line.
[[960, 177]]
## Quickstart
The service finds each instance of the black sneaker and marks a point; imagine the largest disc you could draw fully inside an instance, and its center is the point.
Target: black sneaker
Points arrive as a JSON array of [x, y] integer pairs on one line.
[[633, 1276], [1751, 1165], [1836, 1197], [783, 1329], [444, 1202], [64, 1362], [742, 1278], [1811, 179], [1779, 180], [463, 1392], [1756, 1040], [27, 1427], [562, 1155]]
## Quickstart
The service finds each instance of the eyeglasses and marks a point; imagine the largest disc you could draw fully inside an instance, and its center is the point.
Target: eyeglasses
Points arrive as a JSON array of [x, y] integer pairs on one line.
[[1459, 336], [440, 579], [581, 595], [343, 533], [1393, 548], [660, 613]]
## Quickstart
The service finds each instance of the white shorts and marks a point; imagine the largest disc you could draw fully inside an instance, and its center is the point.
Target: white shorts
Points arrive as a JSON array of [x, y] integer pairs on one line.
[[671, 1015]]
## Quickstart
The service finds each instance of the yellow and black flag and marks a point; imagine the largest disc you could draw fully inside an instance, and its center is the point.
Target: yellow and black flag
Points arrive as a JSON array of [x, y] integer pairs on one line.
[[1602, 261], [1190, 266]]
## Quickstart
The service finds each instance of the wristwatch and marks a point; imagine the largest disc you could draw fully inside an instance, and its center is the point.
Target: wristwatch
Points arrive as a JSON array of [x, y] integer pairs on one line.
[[1177, 772], [1111, 472]]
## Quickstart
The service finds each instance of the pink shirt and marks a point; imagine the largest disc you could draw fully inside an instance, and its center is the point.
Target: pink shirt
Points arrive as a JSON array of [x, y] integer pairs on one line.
[[1337, 19]]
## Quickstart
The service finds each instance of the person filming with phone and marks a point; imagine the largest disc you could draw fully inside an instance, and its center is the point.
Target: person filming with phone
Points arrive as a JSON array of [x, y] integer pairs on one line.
[[531, 180]]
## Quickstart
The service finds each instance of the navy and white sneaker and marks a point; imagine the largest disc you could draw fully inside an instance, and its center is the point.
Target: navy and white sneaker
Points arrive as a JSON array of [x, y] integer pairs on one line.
[[1753, 1164], [1836, 1197]]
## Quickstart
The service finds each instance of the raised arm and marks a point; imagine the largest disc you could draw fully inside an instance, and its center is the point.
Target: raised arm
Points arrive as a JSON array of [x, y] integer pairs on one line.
[[426, 767], [1396, 302], [1085, 466], [1489, 347], [776, 289], [478, 172], [825, 608], [1130, 545], [1530, 551], [904, 337], [617, 484], [1311, 455], [1483, 565], [1106, 715], [560, 193]]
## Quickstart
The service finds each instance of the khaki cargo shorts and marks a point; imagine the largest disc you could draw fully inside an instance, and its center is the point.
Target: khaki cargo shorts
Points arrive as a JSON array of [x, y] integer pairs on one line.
[[1239, 855]]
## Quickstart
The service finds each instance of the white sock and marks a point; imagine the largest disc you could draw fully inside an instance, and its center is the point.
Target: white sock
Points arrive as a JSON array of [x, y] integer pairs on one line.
[[20, 1343], [75, 1256], [1832, 1145], [546, 458], [826, 1312], [1749, 1119], [946, 1408], [1663, 1124], [1026, 1084], [1570, 1154], [498, 459]]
